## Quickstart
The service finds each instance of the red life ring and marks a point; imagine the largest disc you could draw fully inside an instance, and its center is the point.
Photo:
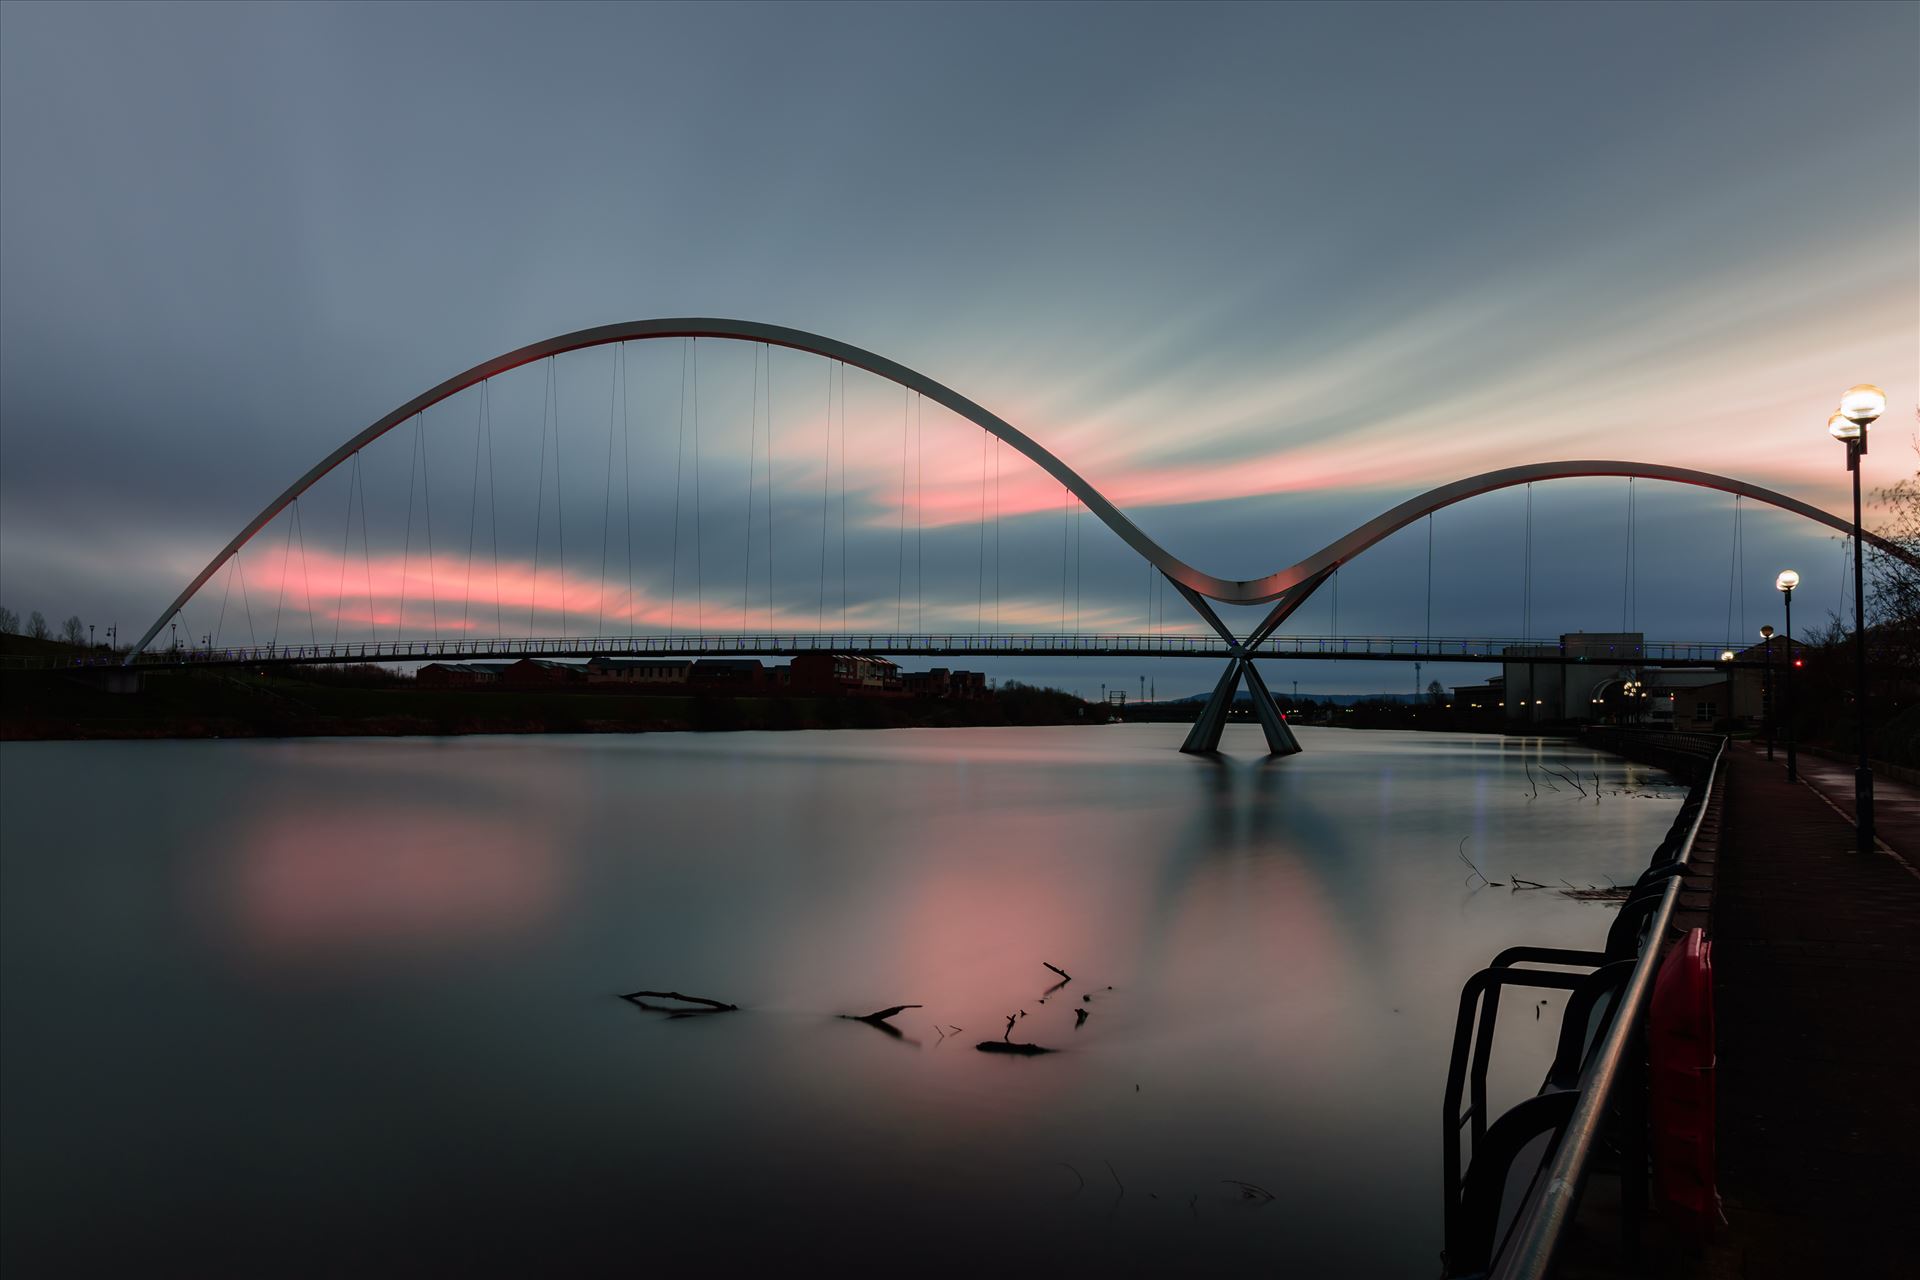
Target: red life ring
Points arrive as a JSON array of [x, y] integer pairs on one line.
[[1680, 1085]]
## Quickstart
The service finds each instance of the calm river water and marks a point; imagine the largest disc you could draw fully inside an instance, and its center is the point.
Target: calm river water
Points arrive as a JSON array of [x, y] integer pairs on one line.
[[349, 1006]]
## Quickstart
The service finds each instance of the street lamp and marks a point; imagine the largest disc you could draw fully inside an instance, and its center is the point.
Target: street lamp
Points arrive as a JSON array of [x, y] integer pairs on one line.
[[1726, 655], [1766, 687], [1858, 408], [1785, 584]]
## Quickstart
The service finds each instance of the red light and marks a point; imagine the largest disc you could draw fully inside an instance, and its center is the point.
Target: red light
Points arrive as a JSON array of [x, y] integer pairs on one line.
[[1799, 662]]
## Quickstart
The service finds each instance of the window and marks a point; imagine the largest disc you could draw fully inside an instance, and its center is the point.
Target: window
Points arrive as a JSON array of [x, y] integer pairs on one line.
[[1706, 711]]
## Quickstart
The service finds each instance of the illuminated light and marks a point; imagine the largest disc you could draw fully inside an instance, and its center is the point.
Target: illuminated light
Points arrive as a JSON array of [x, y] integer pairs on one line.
[[1863, 402], [1787, 580], [1726, 655], [1841, 427], [1766, 633], [1799, 662]]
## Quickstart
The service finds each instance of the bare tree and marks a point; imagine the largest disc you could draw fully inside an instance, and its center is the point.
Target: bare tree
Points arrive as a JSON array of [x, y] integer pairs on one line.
[[1893, 594], [9, 622], [74, 631], [37, 626]]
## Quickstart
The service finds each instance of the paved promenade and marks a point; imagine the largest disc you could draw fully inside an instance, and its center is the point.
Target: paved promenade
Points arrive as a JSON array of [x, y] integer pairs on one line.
[[1816, 953]]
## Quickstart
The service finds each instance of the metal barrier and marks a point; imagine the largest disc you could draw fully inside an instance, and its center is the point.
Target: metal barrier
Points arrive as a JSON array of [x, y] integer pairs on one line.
[[1530, 1250]]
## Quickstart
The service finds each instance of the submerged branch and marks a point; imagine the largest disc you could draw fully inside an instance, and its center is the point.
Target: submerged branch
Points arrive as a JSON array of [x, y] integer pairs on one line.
[[704, 1005]]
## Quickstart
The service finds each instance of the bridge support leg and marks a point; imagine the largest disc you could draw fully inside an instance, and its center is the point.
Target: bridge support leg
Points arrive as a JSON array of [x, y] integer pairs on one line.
[[1204, 739], [1280, 739]]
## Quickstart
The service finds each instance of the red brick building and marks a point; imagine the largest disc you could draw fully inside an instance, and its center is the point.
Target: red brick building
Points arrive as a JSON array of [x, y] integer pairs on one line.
[[845, 675], [542, 673], [457, 675]]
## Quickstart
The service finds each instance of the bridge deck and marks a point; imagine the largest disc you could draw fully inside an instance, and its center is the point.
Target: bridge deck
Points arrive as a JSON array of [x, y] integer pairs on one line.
[[1481, 649]]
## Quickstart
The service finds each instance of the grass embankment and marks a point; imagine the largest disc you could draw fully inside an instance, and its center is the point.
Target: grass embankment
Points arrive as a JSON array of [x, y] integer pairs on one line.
[[230, 703]]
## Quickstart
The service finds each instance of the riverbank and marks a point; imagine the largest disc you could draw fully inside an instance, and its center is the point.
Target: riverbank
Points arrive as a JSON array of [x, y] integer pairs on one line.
[[230, 703]]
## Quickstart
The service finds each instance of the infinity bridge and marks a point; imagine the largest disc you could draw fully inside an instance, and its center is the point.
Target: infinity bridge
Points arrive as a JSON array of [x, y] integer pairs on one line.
[[657, 599]]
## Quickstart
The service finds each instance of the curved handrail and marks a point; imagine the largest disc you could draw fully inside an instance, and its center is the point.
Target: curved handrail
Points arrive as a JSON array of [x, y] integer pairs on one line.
[[1311, 571]]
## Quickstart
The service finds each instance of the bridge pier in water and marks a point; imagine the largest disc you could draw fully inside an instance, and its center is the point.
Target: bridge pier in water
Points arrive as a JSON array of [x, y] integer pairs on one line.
[[1204, 738]]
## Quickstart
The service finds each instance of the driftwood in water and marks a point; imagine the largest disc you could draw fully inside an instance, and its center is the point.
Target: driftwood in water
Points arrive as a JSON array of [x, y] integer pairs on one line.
[[1005, 1046], [880, 1015], [700, 1004], [1064, 975], [1079, 1018]]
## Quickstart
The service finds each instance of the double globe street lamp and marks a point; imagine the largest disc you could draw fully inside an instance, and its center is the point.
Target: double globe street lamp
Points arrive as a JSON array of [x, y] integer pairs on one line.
[[1785, 584], [1859, 407]]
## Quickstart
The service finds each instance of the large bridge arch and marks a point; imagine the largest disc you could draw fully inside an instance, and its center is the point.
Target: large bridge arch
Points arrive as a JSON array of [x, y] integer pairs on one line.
[[1291, 587], [1287, 588], [1182, 574]]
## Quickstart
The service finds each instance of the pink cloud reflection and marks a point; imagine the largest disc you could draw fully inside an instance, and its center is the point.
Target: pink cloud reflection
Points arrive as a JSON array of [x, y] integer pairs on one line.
[[320, 882]]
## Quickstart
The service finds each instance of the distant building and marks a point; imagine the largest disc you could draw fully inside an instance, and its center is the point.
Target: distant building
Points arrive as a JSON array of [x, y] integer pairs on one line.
[[542, 673], [845, 674], [1551, 692], [1611, 681], [457, 675], [728, 675], [648, 672]]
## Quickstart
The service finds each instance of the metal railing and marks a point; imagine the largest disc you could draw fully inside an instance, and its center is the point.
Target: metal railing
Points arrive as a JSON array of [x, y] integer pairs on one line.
[[1488, 649], [1543, 1221]]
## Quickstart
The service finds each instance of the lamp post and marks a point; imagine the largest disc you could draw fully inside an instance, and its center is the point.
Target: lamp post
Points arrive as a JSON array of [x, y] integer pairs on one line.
[[1858, 408], [1785, 584], [1766, 688]]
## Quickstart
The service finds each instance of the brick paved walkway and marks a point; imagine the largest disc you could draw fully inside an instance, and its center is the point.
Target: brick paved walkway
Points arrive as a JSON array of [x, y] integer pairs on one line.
[[1816, 953]]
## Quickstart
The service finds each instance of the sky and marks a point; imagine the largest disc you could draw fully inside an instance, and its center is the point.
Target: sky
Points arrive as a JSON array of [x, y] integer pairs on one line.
[[1258, 273]]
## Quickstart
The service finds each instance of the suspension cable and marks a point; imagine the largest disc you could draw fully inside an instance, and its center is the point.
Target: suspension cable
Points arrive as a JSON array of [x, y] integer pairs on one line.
[[1526, 576], [679, 454], [900, 567], [1627, 584], [426, 500], [493, 508], [626, 484], [826, 490], [540, 499], [560, 498], [406, 557], [769, 447], [843, 497], [753, 449], [1733, 574], [306, 578], [346, 547], [1429, 578], [919, 513], [220, 624], [980, 585], [473, 510], [366, 551], [606, 499], [1066, 537], [286, 559]]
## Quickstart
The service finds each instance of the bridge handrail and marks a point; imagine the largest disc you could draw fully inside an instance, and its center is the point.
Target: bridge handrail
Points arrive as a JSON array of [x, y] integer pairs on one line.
[[1490, 649], [1544, 1220]]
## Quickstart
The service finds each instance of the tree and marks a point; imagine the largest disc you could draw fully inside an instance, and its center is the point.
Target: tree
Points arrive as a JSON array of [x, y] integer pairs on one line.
[[37, 626], [9, 622], [1436, 693], [1893, 595], [74, 631]]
